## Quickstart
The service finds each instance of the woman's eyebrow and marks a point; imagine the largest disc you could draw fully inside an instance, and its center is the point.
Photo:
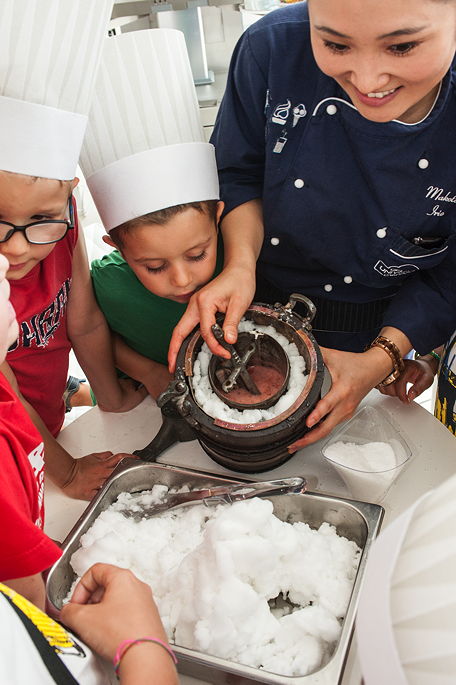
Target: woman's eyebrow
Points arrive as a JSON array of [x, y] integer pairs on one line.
[[404, 32], [392, 34], [333, 32]]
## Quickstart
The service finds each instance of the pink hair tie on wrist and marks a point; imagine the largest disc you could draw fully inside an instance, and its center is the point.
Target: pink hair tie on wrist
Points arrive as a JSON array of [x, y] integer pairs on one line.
[[124, 646]]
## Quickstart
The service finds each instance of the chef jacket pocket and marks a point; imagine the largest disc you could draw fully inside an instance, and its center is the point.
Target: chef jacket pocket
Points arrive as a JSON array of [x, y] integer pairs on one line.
[[425, 252], [401, 257]]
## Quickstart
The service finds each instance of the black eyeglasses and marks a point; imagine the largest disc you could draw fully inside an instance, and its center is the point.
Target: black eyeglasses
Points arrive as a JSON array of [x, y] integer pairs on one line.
[[40, 232]]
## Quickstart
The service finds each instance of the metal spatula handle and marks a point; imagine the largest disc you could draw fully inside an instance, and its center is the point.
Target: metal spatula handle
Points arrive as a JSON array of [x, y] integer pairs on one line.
[[223, 493]]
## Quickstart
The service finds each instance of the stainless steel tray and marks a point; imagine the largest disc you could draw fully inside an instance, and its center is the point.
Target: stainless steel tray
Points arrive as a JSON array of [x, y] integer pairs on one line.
[[358, 521]]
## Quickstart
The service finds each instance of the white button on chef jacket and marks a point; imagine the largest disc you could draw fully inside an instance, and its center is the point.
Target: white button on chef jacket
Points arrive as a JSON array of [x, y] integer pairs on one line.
[[328, 287], [275, 241], [348, 279], [299, 183], [381, 233], [423, 163], [331, 109]]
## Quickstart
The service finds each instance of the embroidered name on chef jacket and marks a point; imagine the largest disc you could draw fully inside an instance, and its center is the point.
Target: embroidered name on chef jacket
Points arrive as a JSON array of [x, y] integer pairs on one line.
[[439, 195]]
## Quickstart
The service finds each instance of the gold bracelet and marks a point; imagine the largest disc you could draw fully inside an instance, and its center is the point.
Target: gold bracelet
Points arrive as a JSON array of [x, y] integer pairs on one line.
[[394, 353]]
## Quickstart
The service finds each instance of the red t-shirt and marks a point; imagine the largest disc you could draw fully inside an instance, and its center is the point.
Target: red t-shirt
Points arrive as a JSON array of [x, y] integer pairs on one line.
[[40, 357], [24, 548]]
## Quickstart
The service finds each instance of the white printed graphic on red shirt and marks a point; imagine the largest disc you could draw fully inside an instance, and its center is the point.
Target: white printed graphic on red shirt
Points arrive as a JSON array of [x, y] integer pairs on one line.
[[36, 459], [40, 328]]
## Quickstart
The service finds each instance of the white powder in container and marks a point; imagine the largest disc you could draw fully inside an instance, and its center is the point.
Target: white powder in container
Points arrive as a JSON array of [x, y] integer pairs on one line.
[[368, 469]]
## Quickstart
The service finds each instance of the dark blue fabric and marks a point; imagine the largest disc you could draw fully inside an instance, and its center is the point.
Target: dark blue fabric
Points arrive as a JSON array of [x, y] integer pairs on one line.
[[359, 176]]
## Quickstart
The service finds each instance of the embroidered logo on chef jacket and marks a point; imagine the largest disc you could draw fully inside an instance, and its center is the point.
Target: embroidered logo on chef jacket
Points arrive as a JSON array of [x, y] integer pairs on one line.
[[298, 113], [401, 270], [281, 112], [280, 142]]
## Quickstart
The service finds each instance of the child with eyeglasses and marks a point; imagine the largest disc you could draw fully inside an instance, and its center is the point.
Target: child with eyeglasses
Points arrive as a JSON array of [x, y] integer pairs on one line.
[[46, 88], [56, 309]]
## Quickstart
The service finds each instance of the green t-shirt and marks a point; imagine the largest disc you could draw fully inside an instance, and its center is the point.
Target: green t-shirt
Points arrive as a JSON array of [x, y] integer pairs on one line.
[[144, 320]]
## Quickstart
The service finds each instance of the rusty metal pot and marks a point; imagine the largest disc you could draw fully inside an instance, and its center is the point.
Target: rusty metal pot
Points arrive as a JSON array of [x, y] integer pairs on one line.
[[244, 447]]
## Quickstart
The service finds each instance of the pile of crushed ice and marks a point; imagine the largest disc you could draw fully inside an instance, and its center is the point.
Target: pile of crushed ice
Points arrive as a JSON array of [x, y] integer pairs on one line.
[[215, 572], [212, 405]]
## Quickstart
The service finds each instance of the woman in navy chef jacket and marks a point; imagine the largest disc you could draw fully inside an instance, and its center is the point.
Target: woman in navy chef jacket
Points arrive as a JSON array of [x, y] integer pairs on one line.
[[336, 148]]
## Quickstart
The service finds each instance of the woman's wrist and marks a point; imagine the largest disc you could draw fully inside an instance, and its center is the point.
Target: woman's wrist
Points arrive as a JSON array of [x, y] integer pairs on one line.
[[397, 363], [380, 362]]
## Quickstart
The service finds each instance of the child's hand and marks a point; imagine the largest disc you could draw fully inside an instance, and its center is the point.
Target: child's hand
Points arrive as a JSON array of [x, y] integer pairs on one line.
[[89, 473], [419, 372], [109, 605], [130, 396], [232, 293]]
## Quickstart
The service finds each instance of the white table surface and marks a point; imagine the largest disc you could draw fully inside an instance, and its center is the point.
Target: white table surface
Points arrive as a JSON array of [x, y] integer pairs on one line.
[[433, 461]]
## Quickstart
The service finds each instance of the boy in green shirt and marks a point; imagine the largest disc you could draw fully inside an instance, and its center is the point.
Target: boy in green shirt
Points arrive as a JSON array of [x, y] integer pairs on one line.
[[144, 286], [156, 189]]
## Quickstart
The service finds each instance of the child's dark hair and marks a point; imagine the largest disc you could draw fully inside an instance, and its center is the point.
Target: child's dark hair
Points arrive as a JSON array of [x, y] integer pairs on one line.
[[161, 217]]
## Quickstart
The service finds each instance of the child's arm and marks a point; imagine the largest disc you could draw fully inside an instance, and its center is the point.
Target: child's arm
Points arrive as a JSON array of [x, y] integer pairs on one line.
[[153, 375], [79, 478], [418, 373], [30, 587], [91, 340]]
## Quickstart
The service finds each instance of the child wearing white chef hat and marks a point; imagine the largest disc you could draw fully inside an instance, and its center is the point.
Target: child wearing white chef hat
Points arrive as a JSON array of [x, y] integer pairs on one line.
[[49, 53], [154, 182]]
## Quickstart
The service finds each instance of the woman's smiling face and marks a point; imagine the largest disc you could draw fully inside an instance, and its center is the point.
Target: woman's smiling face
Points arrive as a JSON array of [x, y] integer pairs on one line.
[[389, 56]]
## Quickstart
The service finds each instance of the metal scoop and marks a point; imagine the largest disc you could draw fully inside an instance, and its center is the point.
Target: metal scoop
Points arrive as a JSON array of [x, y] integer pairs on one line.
[[224, 494], [237, 363]]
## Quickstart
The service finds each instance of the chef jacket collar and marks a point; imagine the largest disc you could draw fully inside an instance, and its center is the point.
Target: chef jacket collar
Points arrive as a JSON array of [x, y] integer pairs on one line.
[[394, 128]]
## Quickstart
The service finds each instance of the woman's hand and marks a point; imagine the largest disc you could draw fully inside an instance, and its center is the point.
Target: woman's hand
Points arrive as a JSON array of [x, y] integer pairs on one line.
[[353, 376], [417, 372], [89, 473], [231, 292]]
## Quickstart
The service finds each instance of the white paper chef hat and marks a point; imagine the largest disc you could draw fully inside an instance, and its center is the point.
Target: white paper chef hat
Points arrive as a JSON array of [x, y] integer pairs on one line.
[[144, 148], [406, 624], [49, 54]]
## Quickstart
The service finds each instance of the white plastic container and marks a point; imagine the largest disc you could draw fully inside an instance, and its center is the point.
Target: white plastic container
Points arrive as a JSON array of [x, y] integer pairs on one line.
[[368, 453]]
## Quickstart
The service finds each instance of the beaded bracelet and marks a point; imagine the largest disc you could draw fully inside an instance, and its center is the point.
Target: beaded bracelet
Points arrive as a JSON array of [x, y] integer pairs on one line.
[[393, 351], [124, 646]]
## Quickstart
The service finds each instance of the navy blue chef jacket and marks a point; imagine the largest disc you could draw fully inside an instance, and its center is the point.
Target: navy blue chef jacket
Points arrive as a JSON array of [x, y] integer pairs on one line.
[[343, 197]]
